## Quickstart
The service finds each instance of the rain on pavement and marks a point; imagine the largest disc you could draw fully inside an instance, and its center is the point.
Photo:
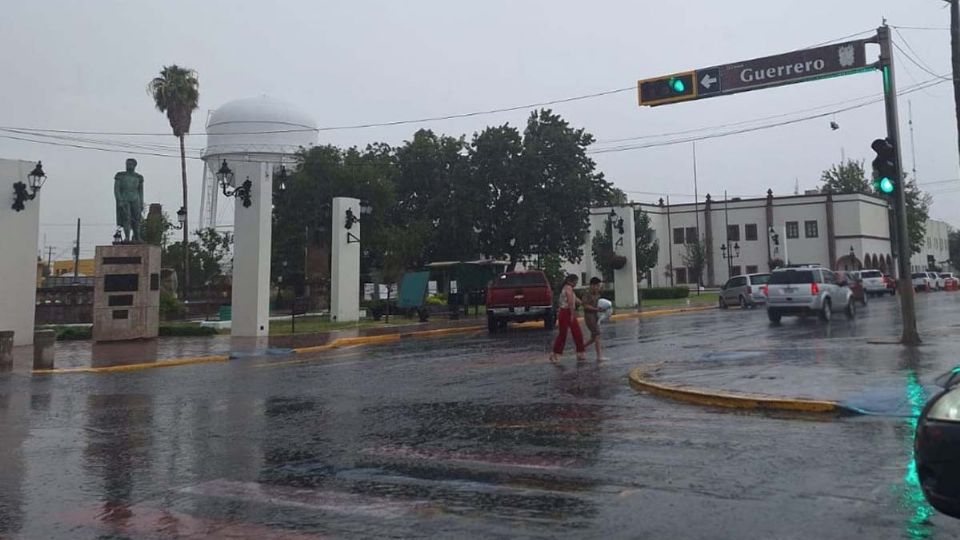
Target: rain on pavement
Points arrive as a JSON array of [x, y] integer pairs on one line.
[[479, 436]]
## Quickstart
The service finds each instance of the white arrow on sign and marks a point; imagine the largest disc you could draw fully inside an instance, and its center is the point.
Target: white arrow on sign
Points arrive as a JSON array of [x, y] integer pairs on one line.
[[708, 80]]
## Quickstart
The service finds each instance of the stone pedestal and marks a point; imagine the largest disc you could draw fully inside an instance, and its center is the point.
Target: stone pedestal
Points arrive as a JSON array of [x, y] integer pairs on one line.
[[6, 350], [126, 301], [44, 349]]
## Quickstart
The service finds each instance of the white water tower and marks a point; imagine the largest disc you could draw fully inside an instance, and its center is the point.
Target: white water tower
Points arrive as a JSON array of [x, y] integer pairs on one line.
[[255, 137]]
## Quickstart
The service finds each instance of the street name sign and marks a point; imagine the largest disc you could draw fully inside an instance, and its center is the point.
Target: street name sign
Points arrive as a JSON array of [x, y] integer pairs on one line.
[[778, 70]]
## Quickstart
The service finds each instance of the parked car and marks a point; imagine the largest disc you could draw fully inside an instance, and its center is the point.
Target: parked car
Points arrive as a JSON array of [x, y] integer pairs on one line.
[[745, 291], [873, 283], [519, 297], [936, 281], [921, 281], [806, 290], [855, 282], [950, 281], [890, 283]]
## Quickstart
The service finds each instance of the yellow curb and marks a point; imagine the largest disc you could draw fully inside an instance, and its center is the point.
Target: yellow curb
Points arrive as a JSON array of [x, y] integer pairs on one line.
[[137, 367], [658, 312], [732, 400]]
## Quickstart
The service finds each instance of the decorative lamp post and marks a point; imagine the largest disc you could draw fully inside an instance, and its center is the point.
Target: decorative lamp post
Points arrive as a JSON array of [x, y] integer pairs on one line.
[[225, 176], [24, 192]]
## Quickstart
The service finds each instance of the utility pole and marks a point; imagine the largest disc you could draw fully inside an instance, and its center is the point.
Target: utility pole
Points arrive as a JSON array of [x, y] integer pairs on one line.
[[50, 260], [955, 58], [909, 336], [696, 215], [76, 256]]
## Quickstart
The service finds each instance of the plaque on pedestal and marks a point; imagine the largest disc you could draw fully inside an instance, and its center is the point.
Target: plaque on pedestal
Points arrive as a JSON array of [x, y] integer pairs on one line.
[[126, 302]]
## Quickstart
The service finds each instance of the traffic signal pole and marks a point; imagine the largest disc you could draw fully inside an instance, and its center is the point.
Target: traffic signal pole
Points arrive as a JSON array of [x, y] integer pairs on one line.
[[909, 335]]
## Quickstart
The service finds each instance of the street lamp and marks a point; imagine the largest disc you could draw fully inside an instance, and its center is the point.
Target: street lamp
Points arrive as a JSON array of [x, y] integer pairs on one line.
[[614, 221], [733, 254], [281, 178], [853, 258], [225, 176], [350, 219], [181, 219], [36, 178]]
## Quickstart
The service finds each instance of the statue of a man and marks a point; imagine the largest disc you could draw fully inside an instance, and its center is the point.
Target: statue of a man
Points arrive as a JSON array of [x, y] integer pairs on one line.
[[128, 190]]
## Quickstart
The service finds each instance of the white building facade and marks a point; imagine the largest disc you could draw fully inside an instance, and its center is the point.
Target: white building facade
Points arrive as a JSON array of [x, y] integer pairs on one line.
[[842, 232], [935, 247]]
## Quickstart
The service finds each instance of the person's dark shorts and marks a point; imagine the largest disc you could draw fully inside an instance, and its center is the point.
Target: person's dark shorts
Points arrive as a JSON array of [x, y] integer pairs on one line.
[[592, 325]]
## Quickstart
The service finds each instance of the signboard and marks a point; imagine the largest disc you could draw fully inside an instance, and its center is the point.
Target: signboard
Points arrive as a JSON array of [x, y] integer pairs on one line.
[[778, 70]]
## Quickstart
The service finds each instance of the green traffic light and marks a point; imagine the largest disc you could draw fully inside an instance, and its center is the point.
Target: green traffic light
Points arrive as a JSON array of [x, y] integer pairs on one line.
[[677, 85], [885, 186]]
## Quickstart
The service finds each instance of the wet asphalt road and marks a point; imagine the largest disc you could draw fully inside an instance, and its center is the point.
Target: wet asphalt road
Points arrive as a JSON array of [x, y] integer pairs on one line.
[[465, 436]]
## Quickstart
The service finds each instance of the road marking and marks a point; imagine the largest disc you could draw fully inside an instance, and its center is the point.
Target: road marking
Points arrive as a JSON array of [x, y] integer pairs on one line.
[[450, 456]]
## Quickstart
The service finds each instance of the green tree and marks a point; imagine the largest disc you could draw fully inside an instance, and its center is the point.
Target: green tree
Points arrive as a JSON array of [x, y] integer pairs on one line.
[[552, 266], [695, 259], [176, 92], [601, 248], [207, 257], [648, 248], [847, 177], [536, 189], [918, 211], [156, 229], [435, 189]]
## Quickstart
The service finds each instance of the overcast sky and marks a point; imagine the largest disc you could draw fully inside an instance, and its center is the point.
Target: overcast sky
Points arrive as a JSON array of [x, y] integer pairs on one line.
[[84, 66]]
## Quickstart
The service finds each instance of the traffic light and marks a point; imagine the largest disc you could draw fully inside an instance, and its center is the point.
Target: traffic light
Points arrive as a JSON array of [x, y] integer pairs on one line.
[[886, 171], [662, 90]]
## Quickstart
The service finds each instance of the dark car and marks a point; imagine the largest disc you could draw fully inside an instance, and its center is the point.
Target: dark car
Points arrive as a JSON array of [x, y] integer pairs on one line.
[[937, 447], [855, 281]]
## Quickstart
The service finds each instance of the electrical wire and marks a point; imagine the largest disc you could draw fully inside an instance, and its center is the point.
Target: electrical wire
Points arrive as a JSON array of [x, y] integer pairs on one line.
[[917, 63]]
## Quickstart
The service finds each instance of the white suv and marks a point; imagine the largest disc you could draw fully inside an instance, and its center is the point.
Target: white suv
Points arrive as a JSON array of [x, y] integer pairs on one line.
[[805, 290], [873, 283]]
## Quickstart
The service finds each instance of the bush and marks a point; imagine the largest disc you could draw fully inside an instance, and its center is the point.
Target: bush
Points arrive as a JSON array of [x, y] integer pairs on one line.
[[436, 300], [170, 307], [74, 333], [664, 293], [183, 330]]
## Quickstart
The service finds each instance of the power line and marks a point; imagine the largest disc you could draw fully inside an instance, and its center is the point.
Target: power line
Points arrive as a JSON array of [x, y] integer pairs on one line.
[[918, 64], [947, 28]]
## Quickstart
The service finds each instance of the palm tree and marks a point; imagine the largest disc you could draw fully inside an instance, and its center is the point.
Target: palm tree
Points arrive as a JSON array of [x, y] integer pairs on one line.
[[176, 92]]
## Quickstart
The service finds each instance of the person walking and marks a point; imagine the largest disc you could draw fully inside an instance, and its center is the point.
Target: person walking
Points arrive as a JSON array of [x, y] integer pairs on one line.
[[591, 314], [568, 321]]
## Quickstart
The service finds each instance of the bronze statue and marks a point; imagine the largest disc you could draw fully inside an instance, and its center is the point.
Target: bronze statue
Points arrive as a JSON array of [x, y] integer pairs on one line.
[[128, 190]]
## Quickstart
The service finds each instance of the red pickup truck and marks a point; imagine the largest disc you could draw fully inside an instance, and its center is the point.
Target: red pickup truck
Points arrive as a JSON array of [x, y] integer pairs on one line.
[[519, 297]]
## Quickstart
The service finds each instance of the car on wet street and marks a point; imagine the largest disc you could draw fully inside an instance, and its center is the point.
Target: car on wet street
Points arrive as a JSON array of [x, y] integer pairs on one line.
[[807, 291], [745, 291]]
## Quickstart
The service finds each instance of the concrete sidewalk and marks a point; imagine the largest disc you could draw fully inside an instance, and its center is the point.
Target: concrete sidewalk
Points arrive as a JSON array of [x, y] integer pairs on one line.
[[849, 374]]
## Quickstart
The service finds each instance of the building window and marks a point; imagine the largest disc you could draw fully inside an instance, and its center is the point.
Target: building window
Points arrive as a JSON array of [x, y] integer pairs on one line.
[[750, 231], [752, 269], [691, 235], [793, 229], [681, 275], [733, 233], [734, 271], [678, 235], [810, 229]]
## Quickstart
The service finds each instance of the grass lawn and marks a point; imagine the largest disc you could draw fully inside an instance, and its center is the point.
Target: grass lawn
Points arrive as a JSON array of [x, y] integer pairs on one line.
[[324, 324], [704, 298]]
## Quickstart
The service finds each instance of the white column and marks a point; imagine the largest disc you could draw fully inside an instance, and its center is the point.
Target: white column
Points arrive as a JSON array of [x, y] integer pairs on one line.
[[251, 256], [345, 261], [625, 279], [19, 233]]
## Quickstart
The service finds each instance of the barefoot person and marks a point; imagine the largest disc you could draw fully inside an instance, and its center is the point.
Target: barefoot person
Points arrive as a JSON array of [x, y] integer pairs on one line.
[[591, 314], [567, 317]]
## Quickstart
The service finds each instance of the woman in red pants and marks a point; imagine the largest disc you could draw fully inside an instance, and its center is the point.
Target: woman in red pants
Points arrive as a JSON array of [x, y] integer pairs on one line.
[[568, 320]]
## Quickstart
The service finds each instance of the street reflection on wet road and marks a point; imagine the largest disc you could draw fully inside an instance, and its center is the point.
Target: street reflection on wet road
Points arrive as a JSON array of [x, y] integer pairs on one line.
[[475, 436]]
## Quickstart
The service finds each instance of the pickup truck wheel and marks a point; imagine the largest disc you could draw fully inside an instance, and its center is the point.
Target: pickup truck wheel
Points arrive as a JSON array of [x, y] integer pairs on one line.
[[773, 315], [826, 312], [743, 303], [492, 324], [549, 320]]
